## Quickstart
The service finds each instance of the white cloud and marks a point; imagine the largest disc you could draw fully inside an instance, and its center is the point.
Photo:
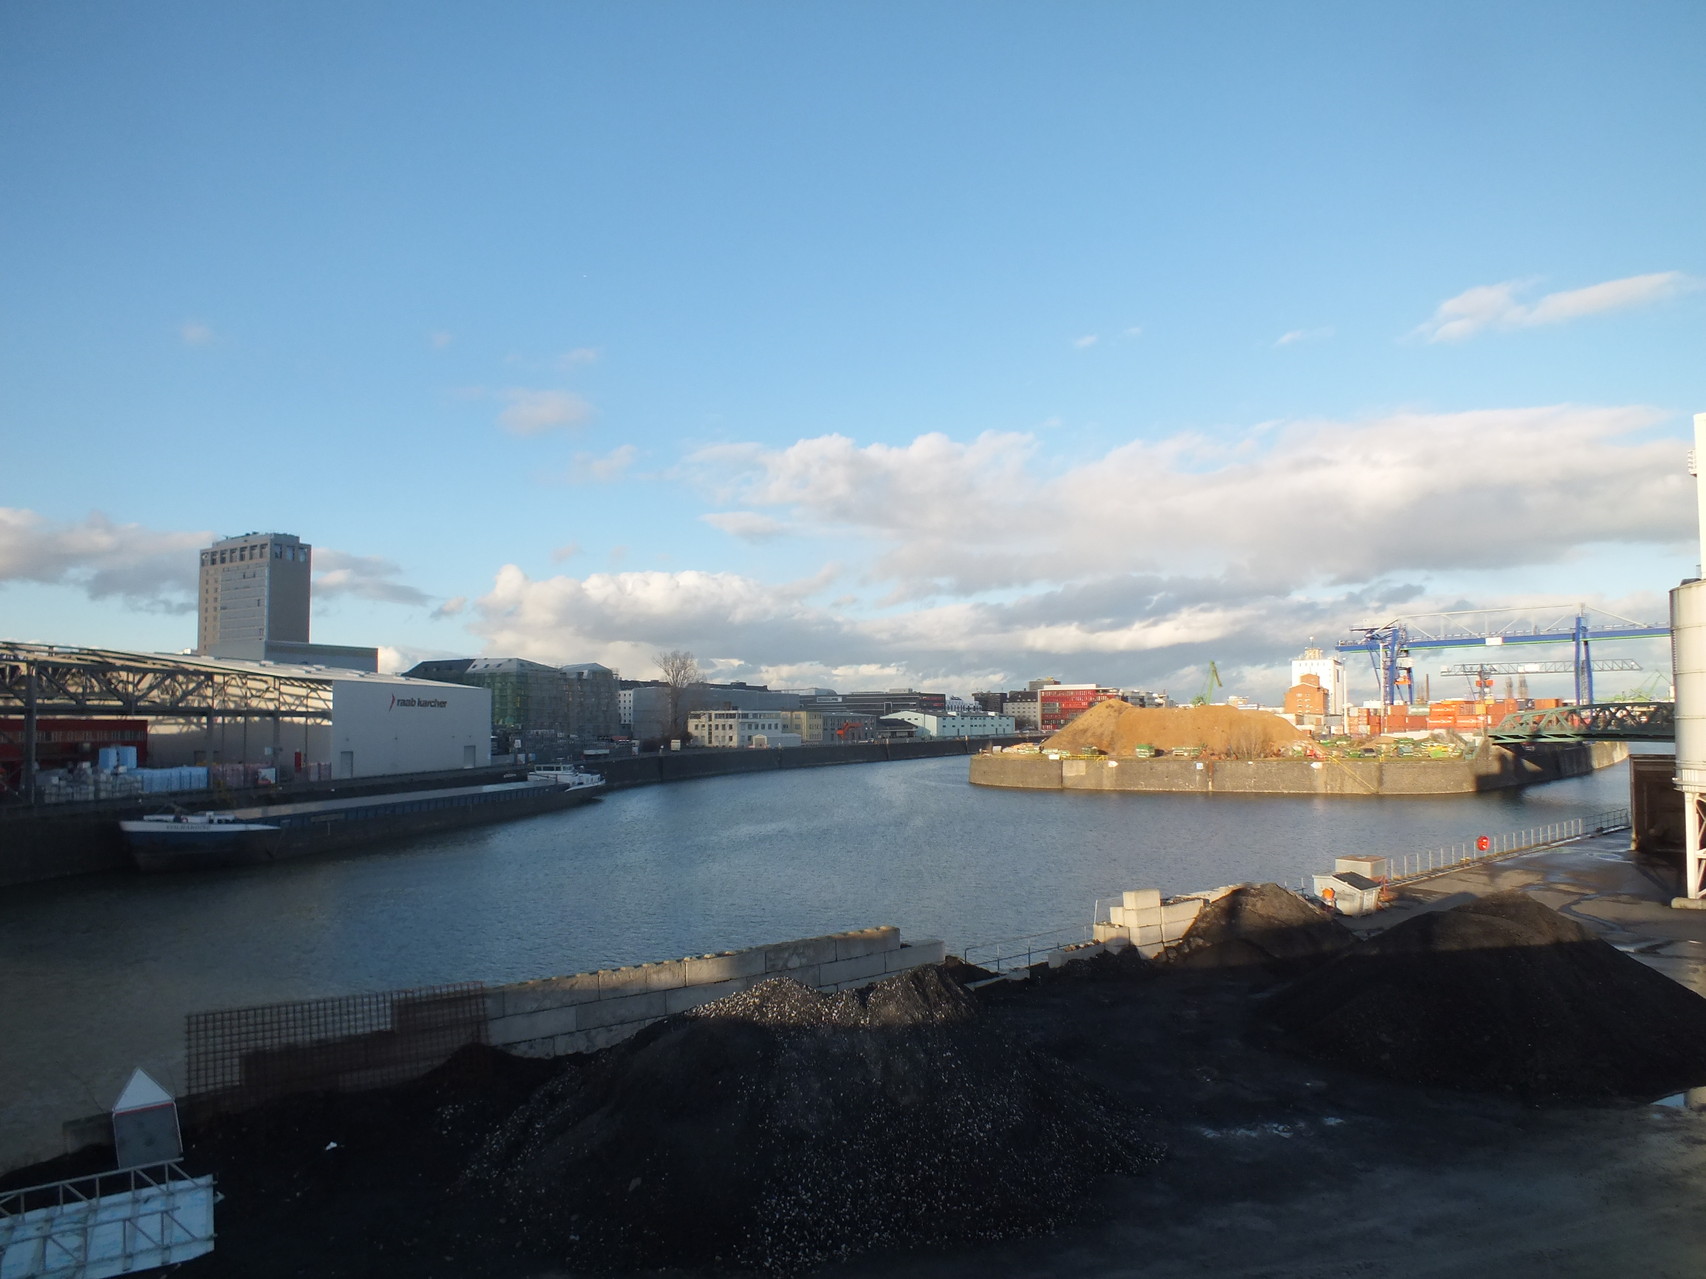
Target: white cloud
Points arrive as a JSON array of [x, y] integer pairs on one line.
[[195, 333], [1497, 306], [578, 356], [533, 412], [601, 468], [455, 606], [565, 552], [149, 569], [1304, 335], [1315, 500], [749, 526], [1135, 331], [1088, 340], [440, 339], [973, 563], [368, 577]]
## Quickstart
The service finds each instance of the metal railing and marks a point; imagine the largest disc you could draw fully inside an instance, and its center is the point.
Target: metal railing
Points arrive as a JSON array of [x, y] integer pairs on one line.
[[150, 1233], [1010, 953], [1436, 861]]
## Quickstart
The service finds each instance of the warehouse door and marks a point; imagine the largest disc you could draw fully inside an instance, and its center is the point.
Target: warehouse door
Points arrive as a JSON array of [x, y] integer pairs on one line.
[[346, 763]]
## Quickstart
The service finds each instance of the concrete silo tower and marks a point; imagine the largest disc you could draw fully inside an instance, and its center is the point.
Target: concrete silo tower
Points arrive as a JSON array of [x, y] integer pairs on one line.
[[1688, 663]]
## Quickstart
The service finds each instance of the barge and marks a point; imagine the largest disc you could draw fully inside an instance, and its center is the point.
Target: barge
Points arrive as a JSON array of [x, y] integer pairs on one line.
[[245, 836]]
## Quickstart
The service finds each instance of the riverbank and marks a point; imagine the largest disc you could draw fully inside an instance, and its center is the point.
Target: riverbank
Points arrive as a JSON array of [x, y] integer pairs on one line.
[[1489, 769], [1275, 1165]]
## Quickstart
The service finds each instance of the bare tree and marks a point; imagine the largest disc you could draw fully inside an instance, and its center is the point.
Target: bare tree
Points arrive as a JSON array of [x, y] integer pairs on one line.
[[680, 672]]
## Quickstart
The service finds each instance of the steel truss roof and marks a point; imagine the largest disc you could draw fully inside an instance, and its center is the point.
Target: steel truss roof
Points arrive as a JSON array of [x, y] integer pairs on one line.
[[102, 682]]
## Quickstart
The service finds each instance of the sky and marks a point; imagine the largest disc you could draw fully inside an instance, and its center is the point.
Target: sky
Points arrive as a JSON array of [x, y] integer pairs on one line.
[[940, 345]]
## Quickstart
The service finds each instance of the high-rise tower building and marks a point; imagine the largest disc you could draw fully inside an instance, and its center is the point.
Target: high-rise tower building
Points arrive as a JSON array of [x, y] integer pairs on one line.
[[254, 587], [253, 603]]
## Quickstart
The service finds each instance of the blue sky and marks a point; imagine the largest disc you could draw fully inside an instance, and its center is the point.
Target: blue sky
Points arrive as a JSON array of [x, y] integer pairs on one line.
[[864, 345]]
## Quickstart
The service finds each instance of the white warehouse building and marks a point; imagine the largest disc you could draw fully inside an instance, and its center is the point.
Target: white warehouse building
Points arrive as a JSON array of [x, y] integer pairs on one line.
[[967, 724], [347, 723]]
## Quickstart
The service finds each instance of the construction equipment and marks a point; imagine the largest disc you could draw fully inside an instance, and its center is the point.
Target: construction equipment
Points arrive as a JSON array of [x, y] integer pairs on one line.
[[1214, 682]]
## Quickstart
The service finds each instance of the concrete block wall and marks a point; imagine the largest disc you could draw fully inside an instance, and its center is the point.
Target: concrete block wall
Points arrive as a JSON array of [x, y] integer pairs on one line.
[[1146, 920], [588, 1011]]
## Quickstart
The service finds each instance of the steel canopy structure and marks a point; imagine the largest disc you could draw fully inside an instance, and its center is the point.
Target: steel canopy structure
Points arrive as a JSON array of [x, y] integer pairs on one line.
[[1389, 644], [43, 679]]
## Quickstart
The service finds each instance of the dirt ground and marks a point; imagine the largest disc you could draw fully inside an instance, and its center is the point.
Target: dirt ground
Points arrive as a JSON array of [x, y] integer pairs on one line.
[[1117, 728]]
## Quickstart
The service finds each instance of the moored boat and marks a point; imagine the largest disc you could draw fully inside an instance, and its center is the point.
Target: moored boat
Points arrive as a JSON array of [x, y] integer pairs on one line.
[[184, 841]]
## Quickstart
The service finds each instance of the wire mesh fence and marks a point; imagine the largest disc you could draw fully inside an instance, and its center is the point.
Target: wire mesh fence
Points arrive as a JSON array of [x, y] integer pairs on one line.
[[238, 1057]]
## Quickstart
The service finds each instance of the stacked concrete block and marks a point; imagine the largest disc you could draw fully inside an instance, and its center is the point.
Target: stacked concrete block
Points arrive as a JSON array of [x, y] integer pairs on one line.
[[1147, 922], [589, 1011]]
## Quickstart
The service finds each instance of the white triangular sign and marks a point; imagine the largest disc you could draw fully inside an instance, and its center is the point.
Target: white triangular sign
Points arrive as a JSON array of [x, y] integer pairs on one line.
[[141, 1092]]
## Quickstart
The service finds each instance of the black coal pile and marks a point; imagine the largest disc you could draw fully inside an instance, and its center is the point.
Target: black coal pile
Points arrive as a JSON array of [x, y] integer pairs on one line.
[[1499, 995], [1260, 925], [780, 1128]]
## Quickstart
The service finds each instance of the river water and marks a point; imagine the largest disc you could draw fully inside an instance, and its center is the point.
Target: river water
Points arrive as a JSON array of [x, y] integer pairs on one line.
[[97, 973]]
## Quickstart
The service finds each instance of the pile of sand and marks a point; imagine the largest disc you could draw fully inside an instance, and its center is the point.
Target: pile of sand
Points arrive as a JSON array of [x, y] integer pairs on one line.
[[1118, 728], [780, 1128], [1502, 995], [1260, 924]]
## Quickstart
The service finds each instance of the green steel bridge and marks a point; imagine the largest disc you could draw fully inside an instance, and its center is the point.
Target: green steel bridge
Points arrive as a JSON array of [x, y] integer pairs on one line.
[[1601, 722]]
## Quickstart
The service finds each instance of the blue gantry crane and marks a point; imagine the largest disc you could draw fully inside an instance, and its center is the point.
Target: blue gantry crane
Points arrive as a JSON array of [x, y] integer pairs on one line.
[[1390, 644]]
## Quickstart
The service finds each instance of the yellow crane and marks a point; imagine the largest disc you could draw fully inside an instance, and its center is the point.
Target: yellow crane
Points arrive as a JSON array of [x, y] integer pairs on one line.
[[1214, 682]]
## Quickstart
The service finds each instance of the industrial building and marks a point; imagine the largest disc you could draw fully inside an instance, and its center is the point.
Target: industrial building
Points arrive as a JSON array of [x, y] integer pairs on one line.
[[739, 729], [253, 604], [1059, 704], [530, 701], [825, 725], [1329, 673], [646, 703], [967, 724], [256, 721], [374, 725], [886, 703], [593, 710]]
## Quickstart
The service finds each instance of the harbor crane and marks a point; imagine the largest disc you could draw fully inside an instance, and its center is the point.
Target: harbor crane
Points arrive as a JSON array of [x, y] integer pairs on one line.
[[1213, 682], [1390, 644]]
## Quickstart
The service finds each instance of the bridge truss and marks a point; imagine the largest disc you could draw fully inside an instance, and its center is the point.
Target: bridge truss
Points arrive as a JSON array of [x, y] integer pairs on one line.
[[1391, 644], [1605, 722]]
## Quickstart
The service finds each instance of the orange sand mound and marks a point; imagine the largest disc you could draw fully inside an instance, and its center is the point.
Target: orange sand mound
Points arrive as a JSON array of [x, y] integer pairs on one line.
[[1117, 728]]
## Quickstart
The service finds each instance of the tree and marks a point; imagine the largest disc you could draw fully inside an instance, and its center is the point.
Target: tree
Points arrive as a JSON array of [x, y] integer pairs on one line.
[[680, 672]]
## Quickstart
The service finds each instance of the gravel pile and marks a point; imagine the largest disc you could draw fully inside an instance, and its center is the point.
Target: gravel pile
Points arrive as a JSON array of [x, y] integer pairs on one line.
[[780, 1128], [1260, 924], [1501, 995]]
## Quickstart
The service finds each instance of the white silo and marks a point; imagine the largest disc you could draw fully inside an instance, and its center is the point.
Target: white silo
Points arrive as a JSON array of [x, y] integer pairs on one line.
[[1688, 663]]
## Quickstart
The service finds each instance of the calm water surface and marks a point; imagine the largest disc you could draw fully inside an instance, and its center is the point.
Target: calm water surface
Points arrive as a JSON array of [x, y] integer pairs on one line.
[[98, 972]]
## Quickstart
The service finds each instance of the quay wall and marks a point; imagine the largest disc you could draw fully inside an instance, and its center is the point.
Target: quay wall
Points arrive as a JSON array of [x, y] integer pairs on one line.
[[677, 766], [1493, 768]]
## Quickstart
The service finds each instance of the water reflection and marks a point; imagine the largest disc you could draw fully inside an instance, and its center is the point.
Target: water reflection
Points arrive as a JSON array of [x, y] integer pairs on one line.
[[100, 971]]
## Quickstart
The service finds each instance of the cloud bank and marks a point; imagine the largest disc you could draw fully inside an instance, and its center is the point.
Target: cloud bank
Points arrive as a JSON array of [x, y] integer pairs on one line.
[[973, 563]]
